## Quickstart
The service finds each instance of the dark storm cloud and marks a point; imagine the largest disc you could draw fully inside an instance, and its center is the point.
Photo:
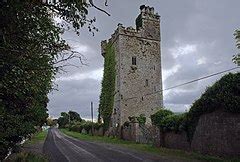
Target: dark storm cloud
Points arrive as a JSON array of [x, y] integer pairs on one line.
[[197, 40]]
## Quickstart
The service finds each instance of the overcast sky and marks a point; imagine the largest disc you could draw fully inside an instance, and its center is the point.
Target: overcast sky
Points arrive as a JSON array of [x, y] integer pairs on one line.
[[197, 40]]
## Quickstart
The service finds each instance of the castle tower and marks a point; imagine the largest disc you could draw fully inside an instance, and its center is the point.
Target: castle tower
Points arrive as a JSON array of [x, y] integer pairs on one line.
[[138, 81]]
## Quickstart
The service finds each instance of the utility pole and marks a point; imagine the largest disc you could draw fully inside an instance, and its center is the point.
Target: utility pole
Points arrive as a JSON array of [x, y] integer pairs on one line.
[[92, 116]]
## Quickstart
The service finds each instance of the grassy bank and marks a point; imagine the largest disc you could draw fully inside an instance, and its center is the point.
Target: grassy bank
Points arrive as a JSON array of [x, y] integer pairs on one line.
[[28, 157], [146, 148], [37, 137]]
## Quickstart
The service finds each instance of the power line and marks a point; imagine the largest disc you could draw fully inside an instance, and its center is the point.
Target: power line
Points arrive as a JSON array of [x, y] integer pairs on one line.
[[205, 77], [189, 82]]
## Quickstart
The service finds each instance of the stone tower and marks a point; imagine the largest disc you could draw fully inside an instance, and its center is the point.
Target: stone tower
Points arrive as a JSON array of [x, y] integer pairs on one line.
[[138, 82]]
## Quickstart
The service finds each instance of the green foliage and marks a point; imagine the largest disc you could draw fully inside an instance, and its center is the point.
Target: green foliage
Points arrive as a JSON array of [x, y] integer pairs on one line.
[[71, 117], [108, 86], [76, 126], [63, 120], [27, 55], [32, 52], [166, 120], [158, 117], [174, 122], [224, 94], [141, 119], [74, 116], [28, 156], [37, 137], [97, 126], [86, 125]]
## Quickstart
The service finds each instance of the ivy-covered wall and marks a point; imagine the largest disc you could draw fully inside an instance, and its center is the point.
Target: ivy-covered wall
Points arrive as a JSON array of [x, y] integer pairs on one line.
[[108, 86]]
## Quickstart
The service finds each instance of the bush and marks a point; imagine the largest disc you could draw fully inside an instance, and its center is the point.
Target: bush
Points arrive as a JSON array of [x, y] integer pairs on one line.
[[166, 120], [27, 156], [224, 94], [141, 119], [158, 117], [174, 122], [76, 127]]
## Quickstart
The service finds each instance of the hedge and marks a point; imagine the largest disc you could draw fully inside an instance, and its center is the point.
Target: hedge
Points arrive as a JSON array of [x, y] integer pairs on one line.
[[166, 120], [224, 94]]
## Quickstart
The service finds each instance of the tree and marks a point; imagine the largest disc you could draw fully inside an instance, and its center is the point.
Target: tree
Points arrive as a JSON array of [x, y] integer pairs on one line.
[[32, 52], [66, 118], [74, 116], [63, 121]]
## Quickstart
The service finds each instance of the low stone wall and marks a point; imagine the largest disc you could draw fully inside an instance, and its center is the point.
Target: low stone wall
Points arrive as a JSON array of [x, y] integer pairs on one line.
[[218, 133], [138, 133], [176, 140]]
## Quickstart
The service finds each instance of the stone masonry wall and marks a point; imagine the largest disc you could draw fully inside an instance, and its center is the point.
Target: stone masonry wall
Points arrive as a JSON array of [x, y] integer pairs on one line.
[[176, 140], [218, 133], [137, 87]]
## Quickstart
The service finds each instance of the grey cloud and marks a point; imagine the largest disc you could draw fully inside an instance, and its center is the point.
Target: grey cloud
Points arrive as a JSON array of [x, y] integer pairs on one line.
[[208, 24]]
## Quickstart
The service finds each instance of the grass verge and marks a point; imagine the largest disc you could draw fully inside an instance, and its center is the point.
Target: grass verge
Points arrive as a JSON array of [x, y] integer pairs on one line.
[[147, 148], [37, 137], [28, 157]]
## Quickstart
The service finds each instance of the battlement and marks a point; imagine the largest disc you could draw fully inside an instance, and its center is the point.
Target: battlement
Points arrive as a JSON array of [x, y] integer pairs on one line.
[[147, 26], [148, 12], [120, 30]]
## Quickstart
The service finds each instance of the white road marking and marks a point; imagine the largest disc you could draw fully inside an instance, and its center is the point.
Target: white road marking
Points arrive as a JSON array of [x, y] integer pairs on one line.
[[74, 147], [59, 148]]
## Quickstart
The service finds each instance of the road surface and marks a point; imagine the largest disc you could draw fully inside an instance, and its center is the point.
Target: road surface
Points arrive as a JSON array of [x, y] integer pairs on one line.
[[60, 148]]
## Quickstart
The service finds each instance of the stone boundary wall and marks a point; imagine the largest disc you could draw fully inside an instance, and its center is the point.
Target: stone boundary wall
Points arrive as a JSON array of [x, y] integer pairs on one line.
[[218, 133], [176, 140]]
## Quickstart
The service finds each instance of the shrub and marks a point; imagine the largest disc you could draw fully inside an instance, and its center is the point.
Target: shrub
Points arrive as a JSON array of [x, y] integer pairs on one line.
[[141, 119], [174, 122], [27, 156], [158, 117], [76, 127], [87, 126]]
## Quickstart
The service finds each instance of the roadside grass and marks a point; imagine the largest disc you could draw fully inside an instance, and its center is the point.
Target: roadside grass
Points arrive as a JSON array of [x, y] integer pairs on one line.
[[28, 157], [37, 137], [184, 155]]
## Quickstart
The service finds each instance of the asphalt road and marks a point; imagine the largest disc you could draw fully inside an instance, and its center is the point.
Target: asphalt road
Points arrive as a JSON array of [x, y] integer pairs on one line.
[[60, 148]]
